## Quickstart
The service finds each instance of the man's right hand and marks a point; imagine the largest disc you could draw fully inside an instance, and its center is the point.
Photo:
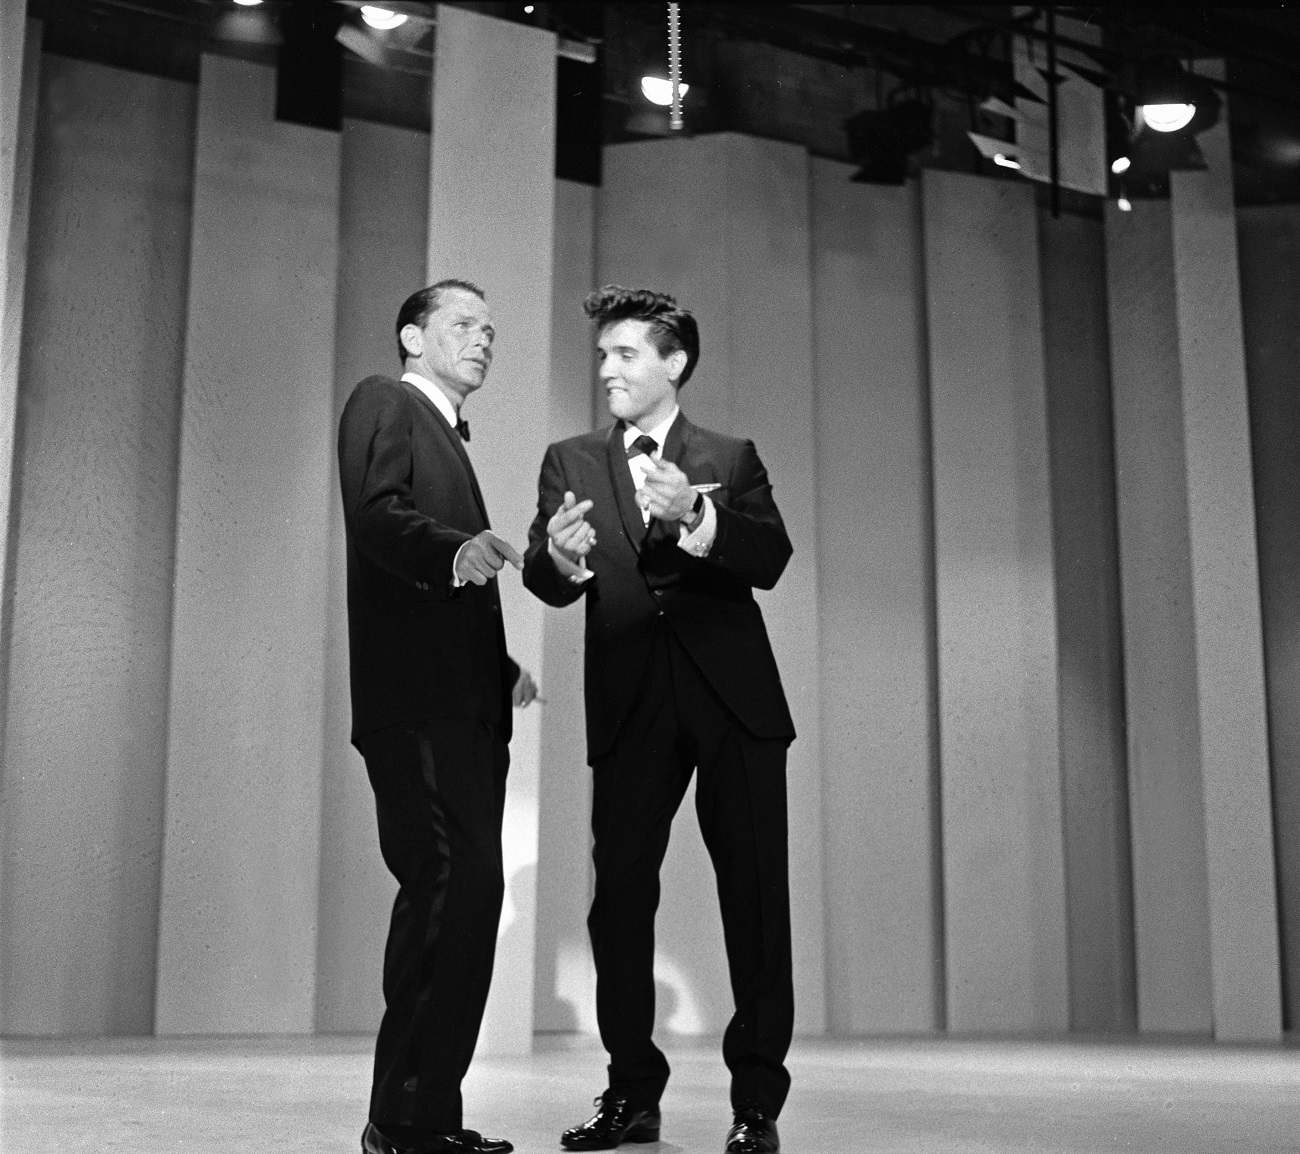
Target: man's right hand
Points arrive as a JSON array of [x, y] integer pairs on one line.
[[570, 535], [481, 558]]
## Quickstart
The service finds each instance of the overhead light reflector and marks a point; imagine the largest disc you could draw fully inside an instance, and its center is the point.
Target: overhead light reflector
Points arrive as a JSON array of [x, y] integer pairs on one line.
[[382, 18], [248, 3], [1167, 117], [660, 91]]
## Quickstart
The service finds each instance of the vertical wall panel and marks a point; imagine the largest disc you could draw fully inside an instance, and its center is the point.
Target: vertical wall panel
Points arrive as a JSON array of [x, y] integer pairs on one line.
[[86, 716], [237, 948], [20, 57], [566, 993], [491, 219], [736, 251], [383, 217], [875, 561], [1002, 847], [1225, 587], [1098, 870], [1171, 918], [1269, 240]]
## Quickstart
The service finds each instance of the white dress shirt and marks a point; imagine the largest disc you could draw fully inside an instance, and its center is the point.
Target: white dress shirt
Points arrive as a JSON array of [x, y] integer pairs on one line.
[[697, 542], [443, 404]]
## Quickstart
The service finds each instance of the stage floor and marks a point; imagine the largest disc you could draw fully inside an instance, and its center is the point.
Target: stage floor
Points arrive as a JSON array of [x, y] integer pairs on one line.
[[250, 1095]]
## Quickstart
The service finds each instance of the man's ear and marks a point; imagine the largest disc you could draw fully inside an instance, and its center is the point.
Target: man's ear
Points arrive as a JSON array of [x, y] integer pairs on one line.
[[412, 340], [676, 365]]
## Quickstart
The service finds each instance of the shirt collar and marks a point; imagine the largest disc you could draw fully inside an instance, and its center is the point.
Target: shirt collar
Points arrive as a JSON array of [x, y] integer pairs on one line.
[[659, 432], [435, 394]]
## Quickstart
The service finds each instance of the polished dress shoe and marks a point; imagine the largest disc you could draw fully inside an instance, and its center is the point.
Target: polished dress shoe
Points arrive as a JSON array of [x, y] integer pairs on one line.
[[617, 1120], [456, 1142], [753, 1132]]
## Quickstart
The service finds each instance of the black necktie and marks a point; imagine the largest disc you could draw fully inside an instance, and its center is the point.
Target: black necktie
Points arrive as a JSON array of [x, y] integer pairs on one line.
[[643, 444], [462, 427]]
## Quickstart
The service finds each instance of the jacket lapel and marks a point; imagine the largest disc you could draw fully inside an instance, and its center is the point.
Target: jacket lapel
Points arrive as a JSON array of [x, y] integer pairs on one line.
[[456, 445], [620, 478]]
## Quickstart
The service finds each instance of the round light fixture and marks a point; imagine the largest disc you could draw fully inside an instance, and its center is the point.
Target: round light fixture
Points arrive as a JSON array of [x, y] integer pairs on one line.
[[1121, 164], [382, 18], [248, 3], [1167, 117], [657, 90]]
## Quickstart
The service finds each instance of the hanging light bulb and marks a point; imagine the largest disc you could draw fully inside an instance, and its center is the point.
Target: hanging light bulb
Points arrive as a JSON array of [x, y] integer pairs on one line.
[[659, 91], [383, 19], [1121, 165], [1166, 117]]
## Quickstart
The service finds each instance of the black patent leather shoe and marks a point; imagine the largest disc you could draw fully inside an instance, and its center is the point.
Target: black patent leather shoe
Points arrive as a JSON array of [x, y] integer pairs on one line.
[[616, 1120], [753, 1132], [456, 1142]]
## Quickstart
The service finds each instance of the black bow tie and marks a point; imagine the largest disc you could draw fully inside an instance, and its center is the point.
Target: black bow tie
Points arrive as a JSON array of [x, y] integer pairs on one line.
[[643, 444], [462, 427]]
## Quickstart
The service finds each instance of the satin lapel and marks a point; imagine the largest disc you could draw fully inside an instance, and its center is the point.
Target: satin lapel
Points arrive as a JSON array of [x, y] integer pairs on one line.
[[675, 444], [620, 477], [456, 445]]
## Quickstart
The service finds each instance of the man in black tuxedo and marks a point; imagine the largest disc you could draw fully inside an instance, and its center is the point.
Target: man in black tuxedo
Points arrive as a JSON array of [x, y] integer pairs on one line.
[[432, 689], [666, 529]]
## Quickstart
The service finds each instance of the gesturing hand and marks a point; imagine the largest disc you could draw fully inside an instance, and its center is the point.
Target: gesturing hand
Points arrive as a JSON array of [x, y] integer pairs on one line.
[[572, 537], [667, 494], [482, 557], [525, 690]]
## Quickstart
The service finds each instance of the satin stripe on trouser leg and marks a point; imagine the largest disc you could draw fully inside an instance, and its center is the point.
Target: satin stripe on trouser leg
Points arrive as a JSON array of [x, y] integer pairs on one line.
[[439, 793]]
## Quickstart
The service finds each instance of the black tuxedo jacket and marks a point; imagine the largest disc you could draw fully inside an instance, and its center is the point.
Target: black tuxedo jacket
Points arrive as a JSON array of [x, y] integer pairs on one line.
[[419, 648], [641, 575]]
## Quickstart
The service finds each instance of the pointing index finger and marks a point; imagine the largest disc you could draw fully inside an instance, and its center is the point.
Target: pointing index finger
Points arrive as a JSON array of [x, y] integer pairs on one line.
[[506, 550]]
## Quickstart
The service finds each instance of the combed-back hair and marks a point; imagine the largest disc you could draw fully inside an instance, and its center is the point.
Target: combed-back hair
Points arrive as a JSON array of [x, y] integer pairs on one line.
[[421, 305], [671, 328]]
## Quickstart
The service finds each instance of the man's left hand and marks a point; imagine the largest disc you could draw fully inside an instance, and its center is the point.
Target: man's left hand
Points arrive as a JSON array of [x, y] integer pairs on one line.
[[668, 494], [525, 690]]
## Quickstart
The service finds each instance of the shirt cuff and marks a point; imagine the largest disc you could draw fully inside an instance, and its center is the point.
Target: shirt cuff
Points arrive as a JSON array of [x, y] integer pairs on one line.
[[575, 573], [698, 543], [456, 582]]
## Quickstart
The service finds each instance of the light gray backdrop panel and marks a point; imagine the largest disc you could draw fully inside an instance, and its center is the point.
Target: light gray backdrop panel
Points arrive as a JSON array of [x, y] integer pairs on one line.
[[1225, 583], [237, 937], [1004, 895], [1167, 819], [1098, 870], [1269, 240], [383, 218], [565, 982], [875, 556], [87, 707]]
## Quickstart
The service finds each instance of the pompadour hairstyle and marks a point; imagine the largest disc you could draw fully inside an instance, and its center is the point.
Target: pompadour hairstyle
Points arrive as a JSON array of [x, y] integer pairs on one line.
[[671, 328], [420, 306]]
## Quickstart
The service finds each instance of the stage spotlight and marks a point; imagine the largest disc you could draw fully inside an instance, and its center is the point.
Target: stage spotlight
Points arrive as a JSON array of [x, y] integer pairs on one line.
[[1120, 165], [659, 91], [881, 141], [1166, 117], [383, 19], [1168, 99]]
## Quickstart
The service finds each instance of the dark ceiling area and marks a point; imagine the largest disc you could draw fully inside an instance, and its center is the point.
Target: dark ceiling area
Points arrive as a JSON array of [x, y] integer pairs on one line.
[[794, 72]]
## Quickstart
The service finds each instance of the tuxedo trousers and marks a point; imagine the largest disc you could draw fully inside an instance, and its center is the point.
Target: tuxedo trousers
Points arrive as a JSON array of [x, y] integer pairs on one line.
[[679, 726], [439, 797]]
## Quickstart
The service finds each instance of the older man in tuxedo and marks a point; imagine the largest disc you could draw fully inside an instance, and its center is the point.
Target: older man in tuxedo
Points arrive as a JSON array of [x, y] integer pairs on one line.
[[432, 690], [666, 529]]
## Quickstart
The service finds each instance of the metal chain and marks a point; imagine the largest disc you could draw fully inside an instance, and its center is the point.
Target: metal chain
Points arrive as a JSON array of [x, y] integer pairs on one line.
[[675, 62]]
